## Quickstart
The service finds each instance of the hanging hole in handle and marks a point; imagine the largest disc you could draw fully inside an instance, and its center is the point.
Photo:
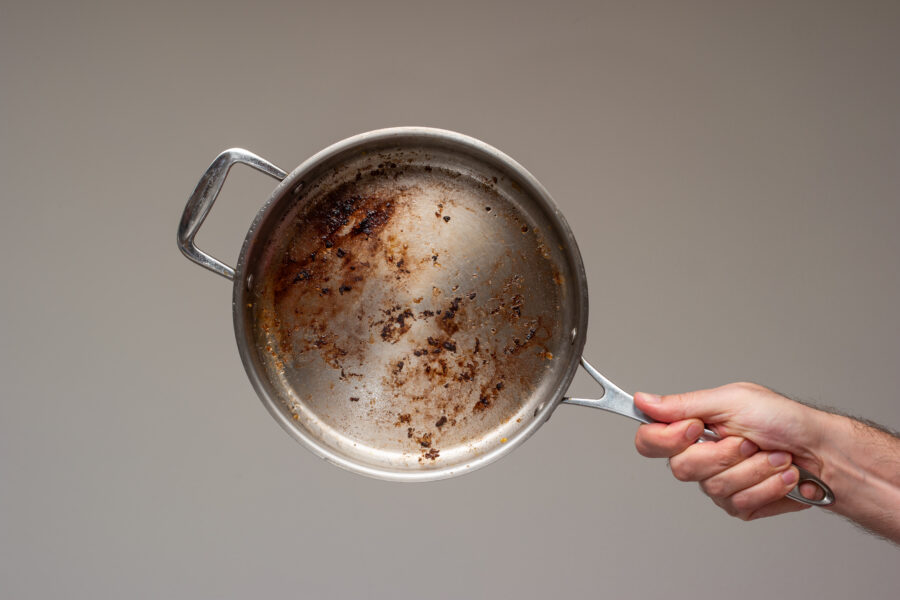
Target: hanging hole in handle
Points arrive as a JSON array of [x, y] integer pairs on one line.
[[827, 498]]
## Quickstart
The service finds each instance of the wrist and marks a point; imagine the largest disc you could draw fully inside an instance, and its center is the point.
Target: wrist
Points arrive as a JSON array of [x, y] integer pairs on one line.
[[836, 434], [816, 439], [859, 464]]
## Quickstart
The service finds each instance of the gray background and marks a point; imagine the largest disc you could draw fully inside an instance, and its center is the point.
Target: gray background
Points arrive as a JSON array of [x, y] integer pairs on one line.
[[729, 169]]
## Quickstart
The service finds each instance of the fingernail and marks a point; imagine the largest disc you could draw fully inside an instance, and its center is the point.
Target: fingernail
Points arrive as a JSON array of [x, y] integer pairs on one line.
[[779, 459], [747, 448], [693, 431], [651, 398], [789, 476]]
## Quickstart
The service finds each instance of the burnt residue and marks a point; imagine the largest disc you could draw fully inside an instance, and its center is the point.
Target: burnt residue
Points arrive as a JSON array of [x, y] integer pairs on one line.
[[452, 309], [374, 219], [352, 287], [335, 246], [396, 323], [336, 211]]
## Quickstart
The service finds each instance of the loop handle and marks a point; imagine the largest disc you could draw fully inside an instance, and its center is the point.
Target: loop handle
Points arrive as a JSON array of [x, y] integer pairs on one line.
[[205, 194]]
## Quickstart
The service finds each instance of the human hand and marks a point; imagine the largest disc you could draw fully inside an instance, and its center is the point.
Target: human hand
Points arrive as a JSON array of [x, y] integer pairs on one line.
[[748, 472]]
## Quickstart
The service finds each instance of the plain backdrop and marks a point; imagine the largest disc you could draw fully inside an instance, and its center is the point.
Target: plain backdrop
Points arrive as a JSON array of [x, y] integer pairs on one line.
[[730, 169]]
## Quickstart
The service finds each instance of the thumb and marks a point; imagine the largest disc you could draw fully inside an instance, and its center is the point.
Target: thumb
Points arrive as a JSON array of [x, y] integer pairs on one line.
[[712, 406]]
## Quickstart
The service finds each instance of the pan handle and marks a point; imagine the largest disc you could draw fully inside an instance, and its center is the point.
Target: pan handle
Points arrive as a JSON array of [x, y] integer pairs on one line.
[[205, 194], [617, 401]]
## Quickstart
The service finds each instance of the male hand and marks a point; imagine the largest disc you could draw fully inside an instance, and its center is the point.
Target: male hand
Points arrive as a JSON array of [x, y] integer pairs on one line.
[[748, 472]]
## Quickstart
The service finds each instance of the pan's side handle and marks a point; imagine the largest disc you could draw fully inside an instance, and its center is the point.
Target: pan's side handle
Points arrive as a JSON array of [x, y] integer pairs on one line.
[[205, 194], [617, 401]]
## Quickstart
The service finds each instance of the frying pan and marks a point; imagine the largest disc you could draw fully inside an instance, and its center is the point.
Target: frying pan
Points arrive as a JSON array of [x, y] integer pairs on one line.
[[409, 303]]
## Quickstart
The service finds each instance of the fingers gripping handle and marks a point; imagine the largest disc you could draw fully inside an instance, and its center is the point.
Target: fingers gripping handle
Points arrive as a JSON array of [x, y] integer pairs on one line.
[[617, 401], [205, 194], [805, 477]]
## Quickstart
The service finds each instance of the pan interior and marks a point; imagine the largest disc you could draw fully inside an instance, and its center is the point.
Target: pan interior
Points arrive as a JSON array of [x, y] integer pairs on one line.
[[412, 307]]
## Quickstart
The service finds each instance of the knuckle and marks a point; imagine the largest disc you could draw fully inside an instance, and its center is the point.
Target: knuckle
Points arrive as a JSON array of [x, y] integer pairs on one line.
[[682, 396], [714, 487], [748, 386], [761, 470], [681, 469], [725, 506], [743, 503], [642, 447], [754, 515], [678, 401], [729, 454], [728, 508], [757, 469]]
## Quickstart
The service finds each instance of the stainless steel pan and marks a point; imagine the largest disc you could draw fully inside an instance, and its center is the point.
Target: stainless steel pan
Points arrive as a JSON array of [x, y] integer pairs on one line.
[[409, 303]]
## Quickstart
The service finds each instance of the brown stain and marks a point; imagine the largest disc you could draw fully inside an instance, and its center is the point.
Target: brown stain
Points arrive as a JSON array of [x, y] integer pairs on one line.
[[335, 249], [462, 362]]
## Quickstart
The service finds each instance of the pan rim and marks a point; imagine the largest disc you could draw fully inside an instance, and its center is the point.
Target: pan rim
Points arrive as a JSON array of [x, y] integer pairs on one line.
[[260, 382]]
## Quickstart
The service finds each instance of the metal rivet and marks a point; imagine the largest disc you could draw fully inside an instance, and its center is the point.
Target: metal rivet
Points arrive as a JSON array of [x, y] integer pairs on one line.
[[250, 282], [574, 335], [297, 188]]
